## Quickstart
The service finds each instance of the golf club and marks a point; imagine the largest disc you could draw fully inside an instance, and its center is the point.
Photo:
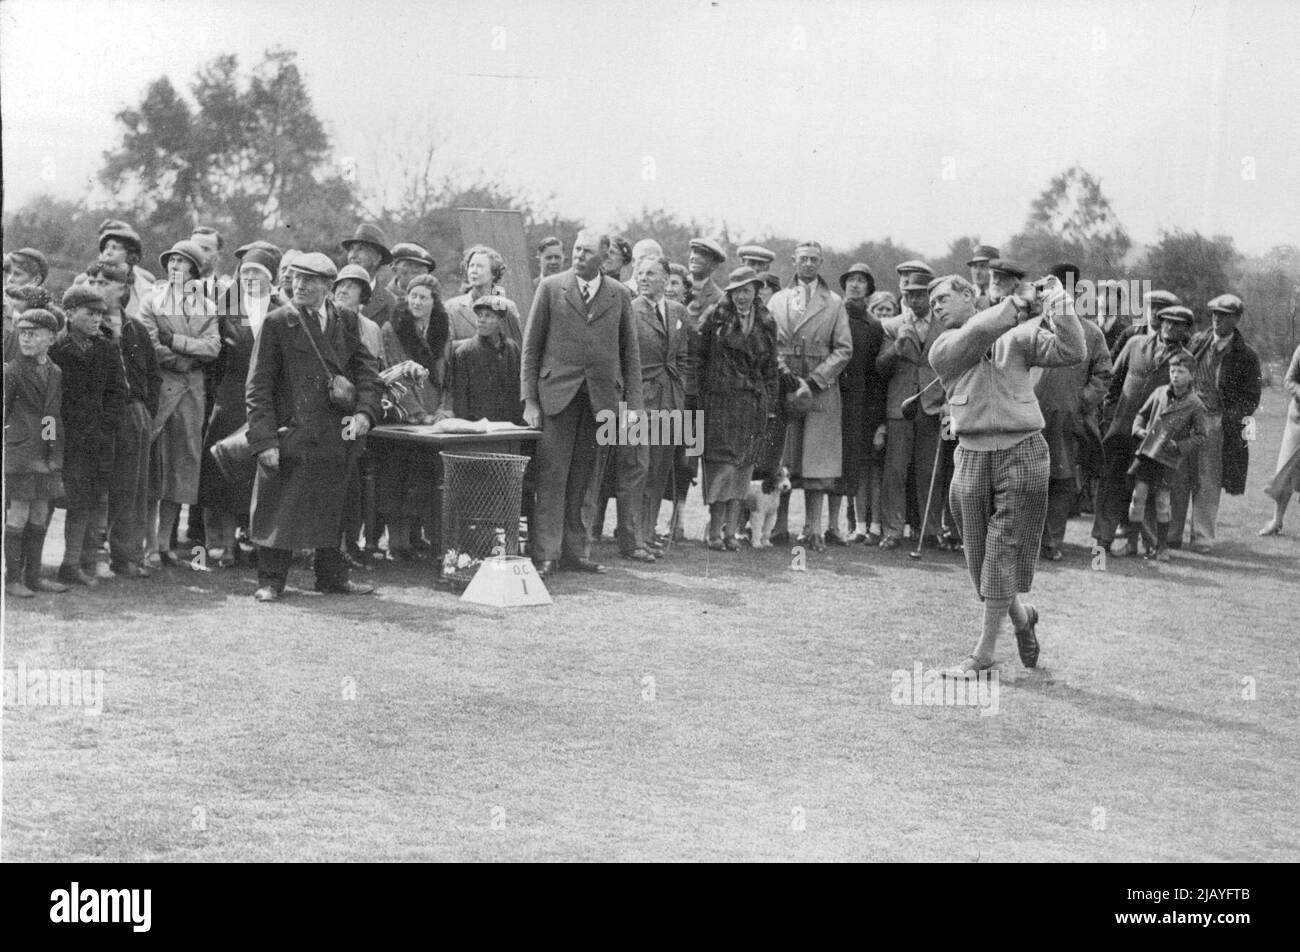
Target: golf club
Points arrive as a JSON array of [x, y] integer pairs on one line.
[[925, 515], [911, 405]]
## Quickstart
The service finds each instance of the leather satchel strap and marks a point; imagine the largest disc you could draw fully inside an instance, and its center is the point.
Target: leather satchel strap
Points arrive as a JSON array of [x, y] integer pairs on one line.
[[314, 346]]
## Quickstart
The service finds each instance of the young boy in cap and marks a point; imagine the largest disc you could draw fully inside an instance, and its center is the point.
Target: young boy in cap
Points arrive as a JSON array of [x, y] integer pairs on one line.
[[33, 457], [483, 374], [94, 392], [128, 486], [1171, 424]]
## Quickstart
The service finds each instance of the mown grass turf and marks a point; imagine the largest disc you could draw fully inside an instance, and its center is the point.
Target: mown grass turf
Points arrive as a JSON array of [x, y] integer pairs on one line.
[[713, 706]]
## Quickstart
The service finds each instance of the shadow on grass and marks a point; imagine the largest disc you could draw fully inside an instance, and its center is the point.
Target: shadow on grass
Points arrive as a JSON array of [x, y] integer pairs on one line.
[[1113, 707]]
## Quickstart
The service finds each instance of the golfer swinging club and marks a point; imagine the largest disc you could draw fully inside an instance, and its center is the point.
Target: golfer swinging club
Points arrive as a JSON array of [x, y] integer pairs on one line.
[[999, 484]]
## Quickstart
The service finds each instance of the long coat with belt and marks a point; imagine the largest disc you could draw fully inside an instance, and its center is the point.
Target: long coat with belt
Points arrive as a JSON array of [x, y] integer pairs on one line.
[[94, 393], [178, 424], [1069, 398], [664, 353], [862, 391], [1142, 366], [300, 505], [1239, 391], [814, 342]]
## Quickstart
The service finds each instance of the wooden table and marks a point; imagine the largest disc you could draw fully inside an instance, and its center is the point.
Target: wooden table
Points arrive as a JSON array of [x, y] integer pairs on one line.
[[420, 446]]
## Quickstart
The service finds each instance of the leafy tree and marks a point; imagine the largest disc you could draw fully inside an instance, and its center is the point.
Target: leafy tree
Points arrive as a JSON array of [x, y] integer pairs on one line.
[[1071, 221], [1192, 266], [249, 155]]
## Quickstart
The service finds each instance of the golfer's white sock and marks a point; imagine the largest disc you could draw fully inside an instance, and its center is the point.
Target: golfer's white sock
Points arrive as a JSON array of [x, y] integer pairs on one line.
[[1018, 612], [995, 609]]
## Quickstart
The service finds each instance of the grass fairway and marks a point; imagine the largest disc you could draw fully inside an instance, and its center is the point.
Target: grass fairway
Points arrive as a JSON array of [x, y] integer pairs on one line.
[[715, 706]]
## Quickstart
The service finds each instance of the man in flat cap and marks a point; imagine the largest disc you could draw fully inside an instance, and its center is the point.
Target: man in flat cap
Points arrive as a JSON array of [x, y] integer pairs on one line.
[[757, 257], [369, 248], [1228, 383], [980, 273], [910, 445], [1142, 366], [999, 491], [706, 256], [1146, 322], [410, 260], [304, 426], [580, 358]]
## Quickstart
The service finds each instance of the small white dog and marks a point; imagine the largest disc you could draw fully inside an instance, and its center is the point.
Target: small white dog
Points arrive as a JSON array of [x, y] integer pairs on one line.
[[762, 501]]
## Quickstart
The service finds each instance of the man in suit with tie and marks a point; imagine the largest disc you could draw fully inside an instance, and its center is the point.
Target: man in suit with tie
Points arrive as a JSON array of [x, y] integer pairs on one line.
[[580, 357], [905, 360]]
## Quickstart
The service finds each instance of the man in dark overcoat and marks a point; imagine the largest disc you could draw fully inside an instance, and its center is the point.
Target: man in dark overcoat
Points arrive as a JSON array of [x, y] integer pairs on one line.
[[304, 442]]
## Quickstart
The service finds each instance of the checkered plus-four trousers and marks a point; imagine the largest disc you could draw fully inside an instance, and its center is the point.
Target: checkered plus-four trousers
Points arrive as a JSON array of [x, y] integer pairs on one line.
[[999, 498]]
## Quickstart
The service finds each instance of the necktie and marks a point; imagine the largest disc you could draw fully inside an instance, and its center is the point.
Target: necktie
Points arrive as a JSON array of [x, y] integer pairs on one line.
[[663, 316], [585, 288]]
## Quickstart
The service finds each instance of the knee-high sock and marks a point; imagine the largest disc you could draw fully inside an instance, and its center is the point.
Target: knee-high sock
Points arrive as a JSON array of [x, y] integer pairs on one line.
[[1138, 505], [717, 512], [995, 610], [1019, 614]]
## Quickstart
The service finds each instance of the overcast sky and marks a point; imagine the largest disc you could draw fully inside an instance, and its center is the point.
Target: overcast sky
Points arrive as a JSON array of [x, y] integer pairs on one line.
[[843, 121]]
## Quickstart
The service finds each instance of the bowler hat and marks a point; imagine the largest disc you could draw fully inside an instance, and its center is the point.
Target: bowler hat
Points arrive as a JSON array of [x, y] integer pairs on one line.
[[908, 267], [37, 317], [1002, 266], [1228, 304], [863, 270], [1176, 313], [982, 254], [742, 276], [186, 249], [369, 234], [81, 296], [37, 258], [123, 232], [755, 253], [315, 264], [709, 247], [410, 251]]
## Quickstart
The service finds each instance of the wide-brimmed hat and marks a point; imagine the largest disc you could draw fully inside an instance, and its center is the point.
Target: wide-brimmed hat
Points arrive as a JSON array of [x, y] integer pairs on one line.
[[709, 247], [186, 249], [1227, 304], [741, 277], [983, 254], [316, 264], [410, 251], [114, 228], [862, 269], [368, 234]]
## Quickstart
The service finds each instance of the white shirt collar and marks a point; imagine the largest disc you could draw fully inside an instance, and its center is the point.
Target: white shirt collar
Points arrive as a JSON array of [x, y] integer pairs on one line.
[[592, 286]]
